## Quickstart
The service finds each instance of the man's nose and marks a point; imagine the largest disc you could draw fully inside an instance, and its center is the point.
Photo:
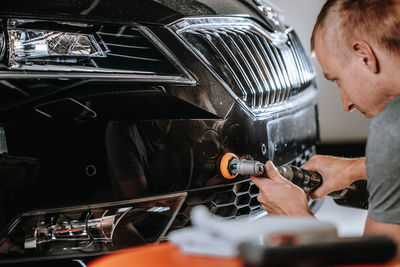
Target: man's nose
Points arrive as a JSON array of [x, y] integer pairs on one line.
[[347, 104]]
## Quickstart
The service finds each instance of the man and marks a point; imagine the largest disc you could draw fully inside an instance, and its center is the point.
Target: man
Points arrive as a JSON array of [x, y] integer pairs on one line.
[[357, 43]]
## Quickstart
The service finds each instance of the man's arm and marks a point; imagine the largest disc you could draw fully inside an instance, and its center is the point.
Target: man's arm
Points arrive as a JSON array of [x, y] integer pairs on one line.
[[391, 230]]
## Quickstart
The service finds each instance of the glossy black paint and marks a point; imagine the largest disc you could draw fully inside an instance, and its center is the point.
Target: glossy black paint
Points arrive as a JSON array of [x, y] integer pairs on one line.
[[39, 91], [66, 145], [62, 122]]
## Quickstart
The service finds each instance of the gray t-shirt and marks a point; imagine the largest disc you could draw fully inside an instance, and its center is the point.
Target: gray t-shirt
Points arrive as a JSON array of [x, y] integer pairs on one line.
[[383, 164]]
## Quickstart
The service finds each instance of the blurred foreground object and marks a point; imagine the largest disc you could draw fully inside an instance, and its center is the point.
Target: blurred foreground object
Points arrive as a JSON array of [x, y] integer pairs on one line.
[[212, 236], [290, 252]]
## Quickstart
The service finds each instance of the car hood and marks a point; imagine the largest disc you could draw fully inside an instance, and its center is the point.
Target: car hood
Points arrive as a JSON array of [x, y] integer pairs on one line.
[[141, 11]]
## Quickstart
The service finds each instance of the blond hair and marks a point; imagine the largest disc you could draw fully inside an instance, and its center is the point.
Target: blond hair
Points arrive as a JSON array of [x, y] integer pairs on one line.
[[375, 21]]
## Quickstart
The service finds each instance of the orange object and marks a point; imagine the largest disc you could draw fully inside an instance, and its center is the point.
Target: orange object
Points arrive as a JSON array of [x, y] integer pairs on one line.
[[168, 255], [164, 254], [224, 165]]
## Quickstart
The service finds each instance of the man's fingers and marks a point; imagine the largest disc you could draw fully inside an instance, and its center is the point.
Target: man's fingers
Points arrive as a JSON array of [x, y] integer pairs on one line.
[[312, 164], [319, 193], [272, 172], [316, 195]]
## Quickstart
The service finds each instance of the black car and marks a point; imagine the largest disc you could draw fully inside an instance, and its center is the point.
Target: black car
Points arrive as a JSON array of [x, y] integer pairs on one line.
[[115, 113]]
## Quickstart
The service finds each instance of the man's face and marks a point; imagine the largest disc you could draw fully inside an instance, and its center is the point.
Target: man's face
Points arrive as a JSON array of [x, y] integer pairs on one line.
[[358, 86]]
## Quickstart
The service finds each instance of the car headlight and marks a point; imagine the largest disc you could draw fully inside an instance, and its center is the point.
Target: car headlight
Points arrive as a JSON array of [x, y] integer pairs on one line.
[[41, 46], [34, 44], [83, 50]]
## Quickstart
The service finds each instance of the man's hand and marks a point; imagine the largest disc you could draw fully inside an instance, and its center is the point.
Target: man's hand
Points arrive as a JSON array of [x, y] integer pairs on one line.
[[279, 196], [337, 173]]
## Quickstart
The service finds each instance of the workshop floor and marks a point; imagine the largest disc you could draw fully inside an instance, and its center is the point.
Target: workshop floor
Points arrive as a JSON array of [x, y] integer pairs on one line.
[[348, 221]]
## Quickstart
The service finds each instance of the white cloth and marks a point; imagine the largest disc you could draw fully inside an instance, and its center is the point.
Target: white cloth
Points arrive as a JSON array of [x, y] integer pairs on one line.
[[215, 237]]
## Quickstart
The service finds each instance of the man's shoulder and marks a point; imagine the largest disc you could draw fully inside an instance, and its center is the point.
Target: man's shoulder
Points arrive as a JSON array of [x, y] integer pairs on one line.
[[383, 169], [389, 116], [383, 134]]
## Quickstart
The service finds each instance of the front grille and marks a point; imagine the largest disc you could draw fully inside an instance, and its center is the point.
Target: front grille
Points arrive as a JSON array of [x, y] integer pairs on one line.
[[258, 70], [228, 201]]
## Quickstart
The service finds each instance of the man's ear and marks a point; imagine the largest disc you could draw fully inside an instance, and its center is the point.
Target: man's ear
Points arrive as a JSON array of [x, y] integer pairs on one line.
[[365, 55]]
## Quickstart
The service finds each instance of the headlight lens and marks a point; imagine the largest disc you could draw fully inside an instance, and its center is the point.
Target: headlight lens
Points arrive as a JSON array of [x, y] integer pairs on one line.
[[40, 45], [31, 46]]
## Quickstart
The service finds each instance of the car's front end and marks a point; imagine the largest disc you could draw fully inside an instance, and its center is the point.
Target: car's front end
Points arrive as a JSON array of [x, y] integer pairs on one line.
[[190, 80]]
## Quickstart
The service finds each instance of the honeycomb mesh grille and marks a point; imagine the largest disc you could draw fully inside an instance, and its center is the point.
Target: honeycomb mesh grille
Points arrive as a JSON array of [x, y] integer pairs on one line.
[[228, 201]]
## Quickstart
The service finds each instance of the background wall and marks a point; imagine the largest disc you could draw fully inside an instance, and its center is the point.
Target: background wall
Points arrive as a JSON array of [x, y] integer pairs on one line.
[[336, 125]]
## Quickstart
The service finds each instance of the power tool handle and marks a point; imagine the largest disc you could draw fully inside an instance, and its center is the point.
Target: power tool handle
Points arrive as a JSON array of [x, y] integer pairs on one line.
[[306, 180], [312, 181], [356, 195]]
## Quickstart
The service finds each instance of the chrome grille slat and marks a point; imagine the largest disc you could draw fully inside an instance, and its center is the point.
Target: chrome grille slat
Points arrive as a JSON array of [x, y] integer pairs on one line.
[[282, 71], [305, 59], [302, 58], [119, 35], [270, 85], [294, 75], [299, 62], [273, 77], [229, 51], [299, 66], [285, 74], [134, 57], [127, 46], [245, 65], [228, 62], [255, 69], [279, 79], [257, 61], [262, 68]]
